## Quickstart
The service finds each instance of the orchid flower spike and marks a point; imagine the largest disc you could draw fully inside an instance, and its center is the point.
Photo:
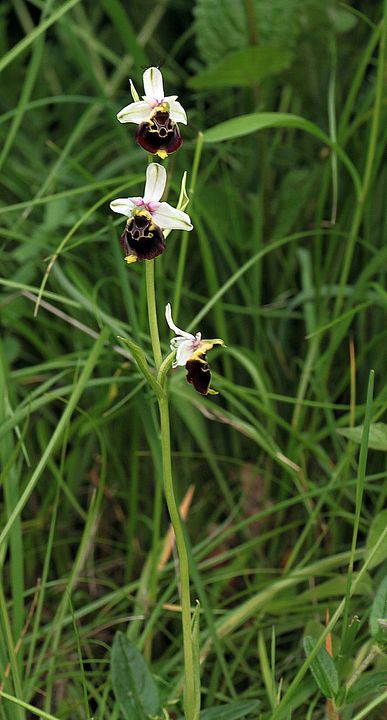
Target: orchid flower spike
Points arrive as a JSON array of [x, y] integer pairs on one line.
[[156, 115], [143, 237], [191, 353]]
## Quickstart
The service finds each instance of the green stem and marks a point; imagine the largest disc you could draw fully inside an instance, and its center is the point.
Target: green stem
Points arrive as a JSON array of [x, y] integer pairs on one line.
[[191, 701], [189, 687], [152, 312]]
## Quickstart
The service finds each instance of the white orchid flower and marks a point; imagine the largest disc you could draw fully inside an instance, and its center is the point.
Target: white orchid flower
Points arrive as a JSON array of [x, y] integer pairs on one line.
[[156, 115], [184, 343], [163, 214], [142, 110], [143, 238], [191, 353]]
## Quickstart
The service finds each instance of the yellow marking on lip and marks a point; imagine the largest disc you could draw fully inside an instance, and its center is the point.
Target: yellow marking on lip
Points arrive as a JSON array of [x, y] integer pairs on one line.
[[204, 347], [143, 212], [163, 108], [130, 259]]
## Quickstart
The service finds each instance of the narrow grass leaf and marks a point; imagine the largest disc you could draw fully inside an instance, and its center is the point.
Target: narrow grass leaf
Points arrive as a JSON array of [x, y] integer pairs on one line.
[[120, 19], [246, 124], [266, 669], [35, 33], [335, 587], [76, 394], [31, 709], [365, 711], [232, 711], [79, 651]]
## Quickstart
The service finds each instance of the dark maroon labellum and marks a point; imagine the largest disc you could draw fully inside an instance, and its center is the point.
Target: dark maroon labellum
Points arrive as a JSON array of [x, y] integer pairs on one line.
[[142, 237], [159, 133], [199, 374]]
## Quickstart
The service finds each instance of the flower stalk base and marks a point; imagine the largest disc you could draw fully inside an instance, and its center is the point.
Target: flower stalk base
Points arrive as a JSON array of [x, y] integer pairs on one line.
[[190, 699], [191, 691]]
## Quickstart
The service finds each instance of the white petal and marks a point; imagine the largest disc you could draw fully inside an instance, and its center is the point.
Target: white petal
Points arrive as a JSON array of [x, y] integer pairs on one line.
[[153, 83], [168, 217], [171, 324], [175, 344], [176, 110], [156, 178], [124, 206], [176, 341], [184, 352], [136, 112]]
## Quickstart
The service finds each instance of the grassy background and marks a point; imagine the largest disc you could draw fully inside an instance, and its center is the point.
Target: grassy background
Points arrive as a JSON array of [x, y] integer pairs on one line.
[[286, 263]]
